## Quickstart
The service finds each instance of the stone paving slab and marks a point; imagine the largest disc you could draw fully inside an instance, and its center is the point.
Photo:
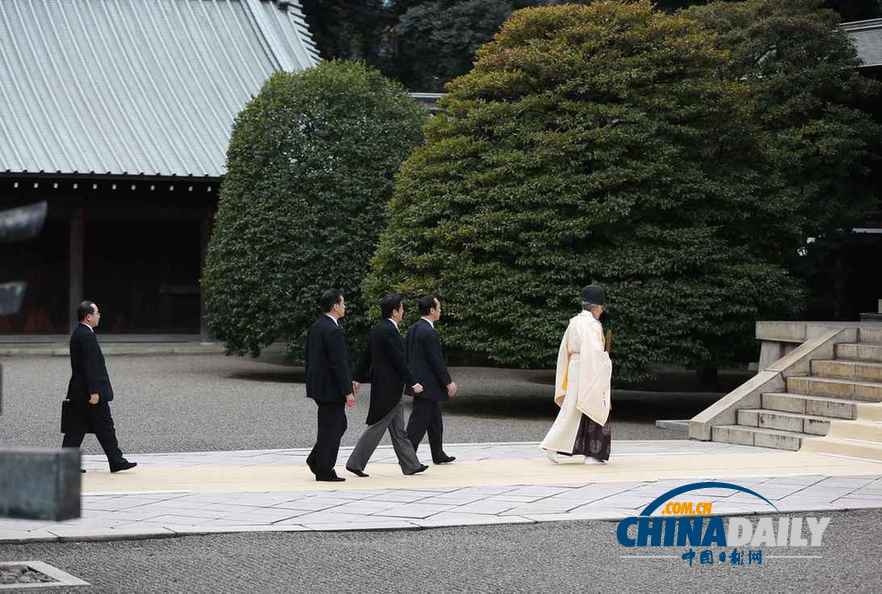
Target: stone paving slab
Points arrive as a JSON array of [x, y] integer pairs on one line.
[[496, 483]]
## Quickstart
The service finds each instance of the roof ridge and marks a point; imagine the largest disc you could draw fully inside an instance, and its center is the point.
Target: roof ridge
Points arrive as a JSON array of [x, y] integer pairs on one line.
[[153, 93], [861, 25], [280, 51]]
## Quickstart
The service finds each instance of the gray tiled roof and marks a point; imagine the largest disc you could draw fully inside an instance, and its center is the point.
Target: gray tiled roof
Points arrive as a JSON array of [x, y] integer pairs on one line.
[[136, 86], [867, 39]]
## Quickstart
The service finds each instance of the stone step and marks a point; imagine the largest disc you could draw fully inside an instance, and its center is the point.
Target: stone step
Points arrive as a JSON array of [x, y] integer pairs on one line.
[[859, 352], [754, 436], [871, 335], [850, 370], [844, 447], [859, 429], [835, 388], [869, 411], [784, 421], [805, 404]]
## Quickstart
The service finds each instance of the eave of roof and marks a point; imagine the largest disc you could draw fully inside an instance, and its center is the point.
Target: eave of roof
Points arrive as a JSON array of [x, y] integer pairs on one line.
[[136, 88], [867, 39]]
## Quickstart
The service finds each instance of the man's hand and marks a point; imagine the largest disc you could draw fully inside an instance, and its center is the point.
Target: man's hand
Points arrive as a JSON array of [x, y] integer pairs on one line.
[[355, 387], [451, 389], [94, 398], [350, 400], [417, 388]]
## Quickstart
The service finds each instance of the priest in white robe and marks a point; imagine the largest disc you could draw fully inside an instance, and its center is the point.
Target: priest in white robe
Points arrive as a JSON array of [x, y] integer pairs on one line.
[[582, 386]]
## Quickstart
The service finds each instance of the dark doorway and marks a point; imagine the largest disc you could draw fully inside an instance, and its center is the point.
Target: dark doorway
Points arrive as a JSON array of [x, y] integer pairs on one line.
[[144, 274], [41, 263]]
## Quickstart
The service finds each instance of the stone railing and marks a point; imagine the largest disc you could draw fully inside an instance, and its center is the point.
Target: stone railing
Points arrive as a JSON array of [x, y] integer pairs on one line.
[[798, 353], [778, 339]]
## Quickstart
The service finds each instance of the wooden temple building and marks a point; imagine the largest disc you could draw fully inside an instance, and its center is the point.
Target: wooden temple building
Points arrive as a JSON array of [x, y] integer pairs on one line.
[[117, 115]]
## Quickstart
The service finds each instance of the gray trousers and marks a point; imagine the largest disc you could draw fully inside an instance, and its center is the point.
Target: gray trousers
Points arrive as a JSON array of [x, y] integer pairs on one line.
[[370, 439]]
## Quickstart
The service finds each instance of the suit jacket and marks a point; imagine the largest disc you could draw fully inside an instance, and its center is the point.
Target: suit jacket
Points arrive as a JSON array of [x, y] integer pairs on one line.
[[88, 370], [328, 376], [426, 361], [383, 365]]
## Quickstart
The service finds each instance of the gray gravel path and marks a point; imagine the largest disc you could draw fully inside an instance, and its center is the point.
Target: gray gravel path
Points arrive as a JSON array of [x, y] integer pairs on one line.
[[213, 402], [561, 557]]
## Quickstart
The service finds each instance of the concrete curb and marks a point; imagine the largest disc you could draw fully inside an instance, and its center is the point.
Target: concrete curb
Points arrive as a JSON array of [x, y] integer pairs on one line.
[[381, 525], [525, 489]]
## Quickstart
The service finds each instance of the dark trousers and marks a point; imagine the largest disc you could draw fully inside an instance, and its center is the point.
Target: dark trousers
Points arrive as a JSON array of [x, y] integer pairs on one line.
[[331, 427], [99, 419], [426, 417]]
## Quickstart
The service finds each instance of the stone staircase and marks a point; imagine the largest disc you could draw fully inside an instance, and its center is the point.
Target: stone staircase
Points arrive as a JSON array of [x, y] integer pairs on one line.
[[815, 401]]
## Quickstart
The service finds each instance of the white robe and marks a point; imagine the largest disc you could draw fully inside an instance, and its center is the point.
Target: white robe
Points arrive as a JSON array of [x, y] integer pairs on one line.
[[582, 382]]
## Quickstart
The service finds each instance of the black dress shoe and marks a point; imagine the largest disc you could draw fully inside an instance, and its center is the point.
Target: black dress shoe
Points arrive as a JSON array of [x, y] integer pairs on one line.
[[360, 473], [82, 470], [331, 478], [422, 468], [444, 460], [122, 465]]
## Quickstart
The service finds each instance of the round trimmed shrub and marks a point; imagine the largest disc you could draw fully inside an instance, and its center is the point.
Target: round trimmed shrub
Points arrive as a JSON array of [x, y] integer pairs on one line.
[[600, 144], [310, 171]]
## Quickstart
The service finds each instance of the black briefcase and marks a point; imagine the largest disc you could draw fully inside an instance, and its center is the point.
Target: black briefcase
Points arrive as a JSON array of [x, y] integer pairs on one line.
[[72, 418]]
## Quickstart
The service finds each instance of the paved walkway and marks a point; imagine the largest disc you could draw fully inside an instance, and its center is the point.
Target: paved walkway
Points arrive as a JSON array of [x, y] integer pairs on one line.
[[490, 483]]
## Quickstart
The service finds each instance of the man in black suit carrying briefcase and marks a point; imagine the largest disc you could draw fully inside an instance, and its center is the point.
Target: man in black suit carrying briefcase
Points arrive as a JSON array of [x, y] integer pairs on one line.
[[426, 361], [89, 392]]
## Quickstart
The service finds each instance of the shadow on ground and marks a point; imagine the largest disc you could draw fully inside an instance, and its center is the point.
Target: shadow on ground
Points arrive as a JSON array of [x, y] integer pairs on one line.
[[282, 375], [526, 394], [630, 405]]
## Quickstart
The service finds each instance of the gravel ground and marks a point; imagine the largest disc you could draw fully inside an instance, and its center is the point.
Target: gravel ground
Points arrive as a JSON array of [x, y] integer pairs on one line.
[[551, 557], [213, 402]]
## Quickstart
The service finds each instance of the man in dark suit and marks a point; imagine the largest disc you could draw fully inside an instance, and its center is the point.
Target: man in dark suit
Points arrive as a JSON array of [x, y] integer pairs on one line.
[[383, 366], [426, 361], [89, 391], [329, 383]]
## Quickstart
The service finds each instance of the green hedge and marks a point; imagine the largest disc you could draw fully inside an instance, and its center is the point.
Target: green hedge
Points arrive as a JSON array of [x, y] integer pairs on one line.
[[593, 143], [310, 169]]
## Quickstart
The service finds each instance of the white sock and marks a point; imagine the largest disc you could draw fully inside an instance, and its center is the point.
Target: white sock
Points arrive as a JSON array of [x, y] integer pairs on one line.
[[551, 456], [590, 460]]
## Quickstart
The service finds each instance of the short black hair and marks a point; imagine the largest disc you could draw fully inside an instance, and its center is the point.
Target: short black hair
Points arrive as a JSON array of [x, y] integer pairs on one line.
[[426, 304], [85, 308], [330, 298], [389, 303]]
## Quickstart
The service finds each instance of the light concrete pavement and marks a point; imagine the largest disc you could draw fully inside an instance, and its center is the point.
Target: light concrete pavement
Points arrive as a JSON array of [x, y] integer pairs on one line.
[[490, 483]]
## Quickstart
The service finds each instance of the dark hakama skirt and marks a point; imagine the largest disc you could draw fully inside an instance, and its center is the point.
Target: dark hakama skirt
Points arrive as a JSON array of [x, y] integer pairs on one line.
[[592, 440]]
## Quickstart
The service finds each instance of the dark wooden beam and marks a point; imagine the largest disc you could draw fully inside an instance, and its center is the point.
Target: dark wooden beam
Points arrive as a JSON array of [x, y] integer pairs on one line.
[[75, 253]]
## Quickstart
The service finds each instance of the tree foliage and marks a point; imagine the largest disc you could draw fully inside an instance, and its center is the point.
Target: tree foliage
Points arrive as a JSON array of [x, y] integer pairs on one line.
[[426, 43], [812, 113], [309, 174], [437, 40], [349, 29], [809, 103], [593, 143]]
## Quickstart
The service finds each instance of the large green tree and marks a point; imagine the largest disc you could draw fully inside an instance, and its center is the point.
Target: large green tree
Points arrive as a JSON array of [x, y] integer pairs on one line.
[[812, 112], [309, 175], [592, 143], [436, 41], [349, 29], [426, 43]]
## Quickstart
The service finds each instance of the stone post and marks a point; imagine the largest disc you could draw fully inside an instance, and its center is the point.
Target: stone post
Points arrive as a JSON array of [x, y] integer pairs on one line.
[[40, 484]]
